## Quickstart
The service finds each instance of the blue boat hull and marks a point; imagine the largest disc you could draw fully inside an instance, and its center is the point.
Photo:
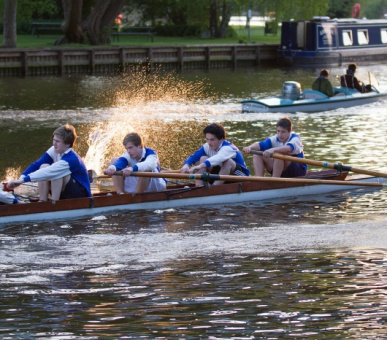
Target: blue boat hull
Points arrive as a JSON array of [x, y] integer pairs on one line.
[[278, 104]]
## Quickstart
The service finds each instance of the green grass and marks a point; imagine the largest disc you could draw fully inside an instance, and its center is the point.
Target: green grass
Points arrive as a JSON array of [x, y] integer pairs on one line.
[[241, 37]]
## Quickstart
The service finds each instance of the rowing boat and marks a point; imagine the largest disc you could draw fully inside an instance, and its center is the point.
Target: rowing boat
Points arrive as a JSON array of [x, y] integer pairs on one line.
[[315, 183]]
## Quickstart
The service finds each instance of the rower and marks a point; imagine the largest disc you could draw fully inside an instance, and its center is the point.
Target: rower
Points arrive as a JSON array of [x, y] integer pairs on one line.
[[284, 142], [60, 172], [217, 156], [136, 158]]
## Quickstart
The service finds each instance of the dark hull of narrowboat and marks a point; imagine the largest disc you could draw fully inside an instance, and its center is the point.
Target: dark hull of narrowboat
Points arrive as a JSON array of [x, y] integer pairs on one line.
[[332, 58], [326, 42]]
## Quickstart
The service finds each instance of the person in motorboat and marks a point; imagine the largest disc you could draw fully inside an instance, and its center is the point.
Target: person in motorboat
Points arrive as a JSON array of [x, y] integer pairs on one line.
[[136, 158], [323, 84], [285, 142], [60, 172], [350, 81], [216, 156]]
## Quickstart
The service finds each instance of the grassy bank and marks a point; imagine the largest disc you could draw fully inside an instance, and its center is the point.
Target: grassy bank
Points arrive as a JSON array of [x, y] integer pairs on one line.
[[257, 36]]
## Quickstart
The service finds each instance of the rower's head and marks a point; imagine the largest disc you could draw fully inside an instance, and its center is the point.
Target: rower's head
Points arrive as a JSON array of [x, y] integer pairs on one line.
[[215, 134], [285, 123], [67, 134], [134, 138], [133, 144], [215, 129], [284, 128]]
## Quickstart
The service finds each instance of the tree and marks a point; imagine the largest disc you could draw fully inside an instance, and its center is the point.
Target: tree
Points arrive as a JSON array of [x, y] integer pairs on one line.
[[9, 24], [340, 8], [72, 25], [101, 19], [373, 9], [92, 19], [220, 14]]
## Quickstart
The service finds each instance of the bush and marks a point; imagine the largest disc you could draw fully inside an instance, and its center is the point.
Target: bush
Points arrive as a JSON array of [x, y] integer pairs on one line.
[[169, 30]]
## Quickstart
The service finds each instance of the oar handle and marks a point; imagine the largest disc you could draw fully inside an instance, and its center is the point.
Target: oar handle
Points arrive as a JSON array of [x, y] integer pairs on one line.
[[336, 166], [230, 178], [300, 160]]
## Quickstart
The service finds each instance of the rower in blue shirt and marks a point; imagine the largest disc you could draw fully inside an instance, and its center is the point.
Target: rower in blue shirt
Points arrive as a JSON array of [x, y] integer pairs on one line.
[[60, 172], [285, 142], [217, 156]]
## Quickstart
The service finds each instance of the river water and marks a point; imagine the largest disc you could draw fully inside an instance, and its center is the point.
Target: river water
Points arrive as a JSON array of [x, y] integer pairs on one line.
[[306, 267]]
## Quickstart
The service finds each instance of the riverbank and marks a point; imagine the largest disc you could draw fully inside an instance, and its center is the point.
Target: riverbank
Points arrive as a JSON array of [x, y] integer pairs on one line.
[[110, 59], [39, 56]]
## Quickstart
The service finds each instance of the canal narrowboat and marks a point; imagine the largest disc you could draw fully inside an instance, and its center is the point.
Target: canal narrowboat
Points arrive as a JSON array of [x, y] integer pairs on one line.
[[333, 42]]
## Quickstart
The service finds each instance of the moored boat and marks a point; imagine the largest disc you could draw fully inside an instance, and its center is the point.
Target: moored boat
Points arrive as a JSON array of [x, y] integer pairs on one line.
[[314, 183], [311, 100], [333, 42]]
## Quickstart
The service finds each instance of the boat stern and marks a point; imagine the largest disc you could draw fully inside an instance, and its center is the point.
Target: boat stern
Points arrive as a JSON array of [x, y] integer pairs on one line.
[[253, 106]]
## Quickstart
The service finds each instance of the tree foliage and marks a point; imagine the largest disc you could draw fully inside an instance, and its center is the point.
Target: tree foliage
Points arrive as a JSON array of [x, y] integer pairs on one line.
[[89, 20], [373, 9], [28, 10], [340, 8]]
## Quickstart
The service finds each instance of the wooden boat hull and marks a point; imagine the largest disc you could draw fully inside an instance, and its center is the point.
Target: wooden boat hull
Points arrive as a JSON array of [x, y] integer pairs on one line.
[[278, 104], [172, 198]]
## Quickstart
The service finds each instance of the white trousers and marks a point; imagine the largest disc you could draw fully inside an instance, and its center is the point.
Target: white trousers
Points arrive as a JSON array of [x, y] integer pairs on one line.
[[155, 184]]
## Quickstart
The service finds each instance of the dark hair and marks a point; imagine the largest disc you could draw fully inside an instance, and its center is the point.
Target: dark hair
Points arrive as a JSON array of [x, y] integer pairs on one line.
[[352, 67], [67, 133], [215, 129], [324, 73], [285, 123], [133, 138]]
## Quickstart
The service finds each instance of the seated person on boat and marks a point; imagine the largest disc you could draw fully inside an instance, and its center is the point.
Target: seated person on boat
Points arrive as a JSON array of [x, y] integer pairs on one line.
[[323, 84], [350, 81], [217, 156], [136, 158], [284, 142], [60, 171]]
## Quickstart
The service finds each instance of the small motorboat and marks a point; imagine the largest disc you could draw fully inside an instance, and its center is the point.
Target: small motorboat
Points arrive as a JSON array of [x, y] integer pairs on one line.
[[295, 100]]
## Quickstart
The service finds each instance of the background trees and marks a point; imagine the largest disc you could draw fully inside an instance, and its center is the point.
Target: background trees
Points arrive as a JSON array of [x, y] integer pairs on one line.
[[90, 21]]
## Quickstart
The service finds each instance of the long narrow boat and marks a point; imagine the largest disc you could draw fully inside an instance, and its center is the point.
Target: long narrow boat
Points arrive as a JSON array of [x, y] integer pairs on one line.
[[323, 42], [314, 183]]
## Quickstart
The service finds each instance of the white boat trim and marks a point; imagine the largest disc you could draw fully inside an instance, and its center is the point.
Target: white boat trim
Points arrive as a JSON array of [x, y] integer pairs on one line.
[[303, 190]]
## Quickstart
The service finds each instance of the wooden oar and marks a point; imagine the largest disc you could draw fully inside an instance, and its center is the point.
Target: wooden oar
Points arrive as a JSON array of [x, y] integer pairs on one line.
[[229, 178], [93, 175], [336, 166]]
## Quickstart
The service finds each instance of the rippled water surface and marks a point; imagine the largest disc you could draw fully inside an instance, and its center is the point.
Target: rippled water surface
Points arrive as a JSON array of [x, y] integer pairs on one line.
[[305, 267]]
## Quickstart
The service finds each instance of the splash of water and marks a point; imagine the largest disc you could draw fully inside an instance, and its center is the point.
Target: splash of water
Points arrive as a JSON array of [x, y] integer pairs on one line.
[[139, 99]]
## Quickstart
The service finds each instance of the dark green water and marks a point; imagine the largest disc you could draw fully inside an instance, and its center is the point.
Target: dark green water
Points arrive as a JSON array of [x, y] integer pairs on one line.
[[309, 268]]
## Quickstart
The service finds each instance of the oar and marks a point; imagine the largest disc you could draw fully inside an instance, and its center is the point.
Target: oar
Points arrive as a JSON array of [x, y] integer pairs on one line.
[[336, 166], [229, 178], [93, 175]]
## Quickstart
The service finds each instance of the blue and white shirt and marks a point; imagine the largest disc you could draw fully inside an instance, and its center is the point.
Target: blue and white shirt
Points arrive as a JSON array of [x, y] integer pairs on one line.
[[225, 151], [149, 161], [294, 142], [69, 163]]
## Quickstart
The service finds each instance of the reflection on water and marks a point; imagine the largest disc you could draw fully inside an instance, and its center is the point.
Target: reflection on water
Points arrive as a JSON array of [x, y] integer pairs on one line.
[[306, 267], [217, 281]]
